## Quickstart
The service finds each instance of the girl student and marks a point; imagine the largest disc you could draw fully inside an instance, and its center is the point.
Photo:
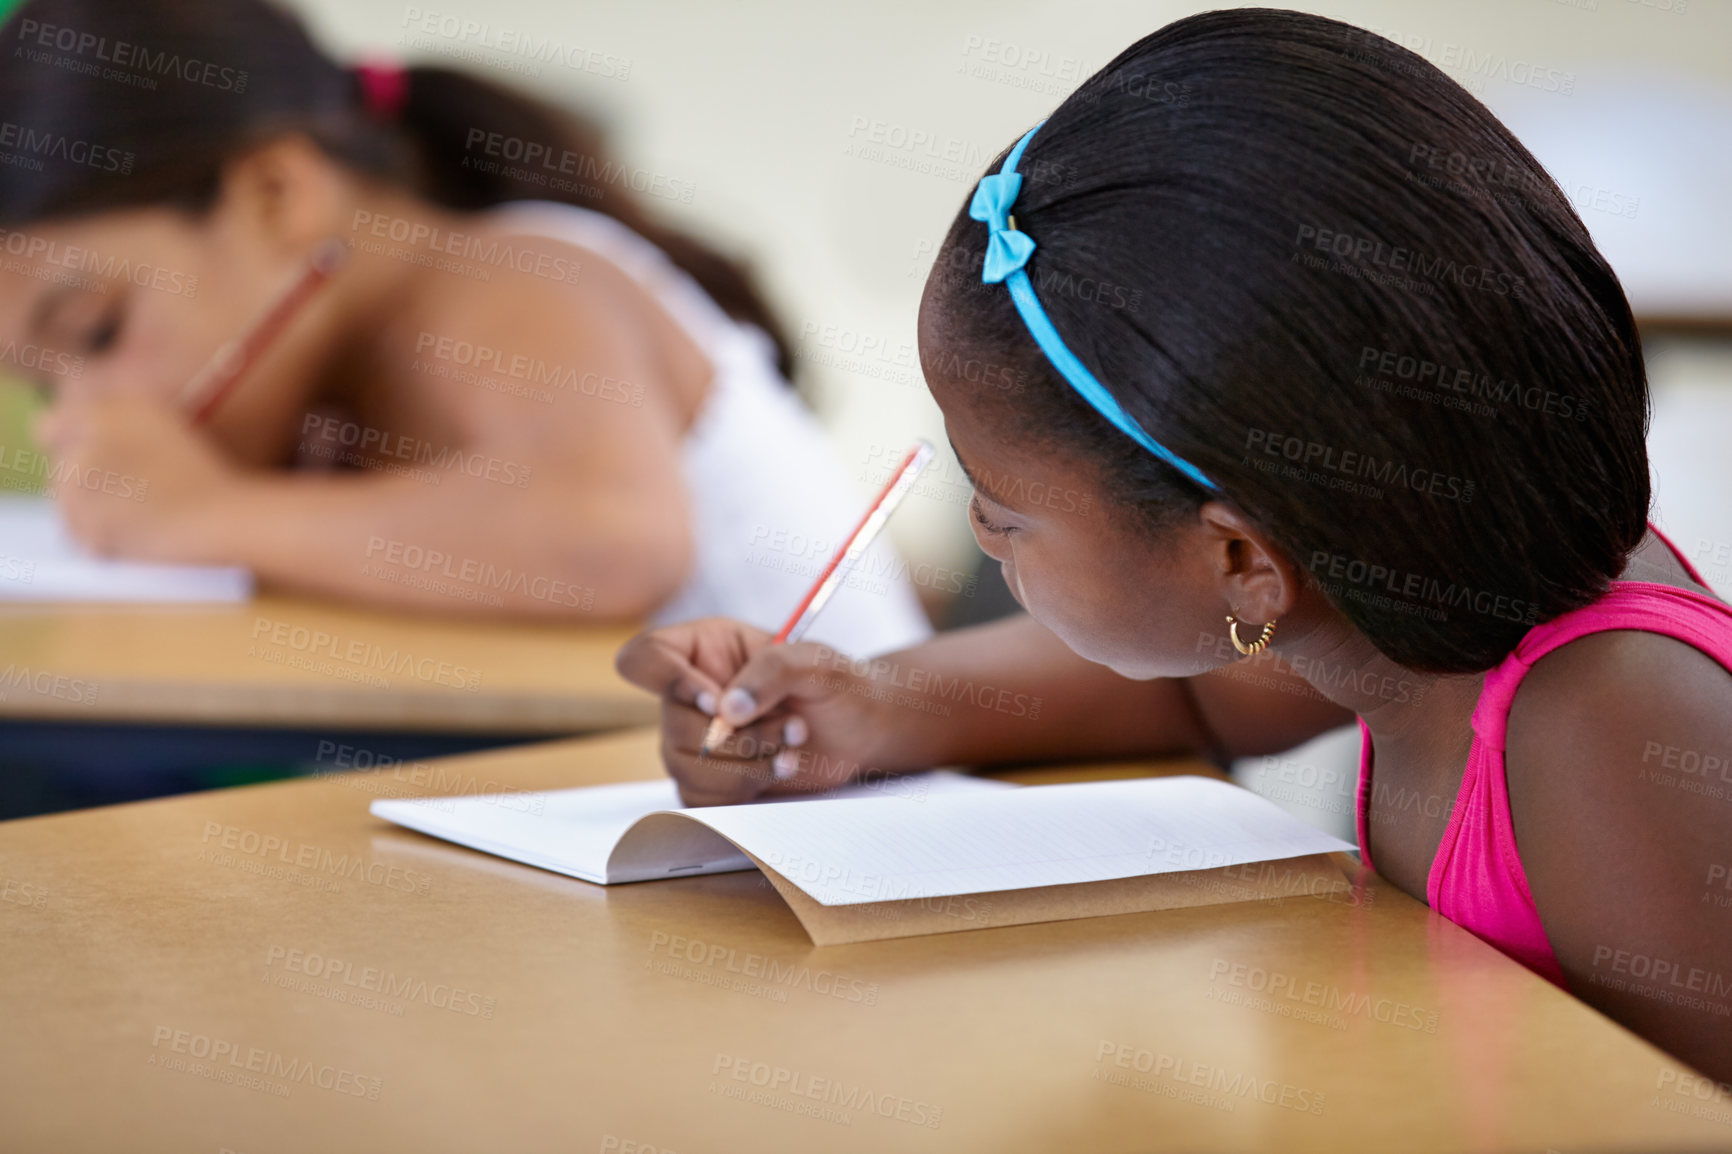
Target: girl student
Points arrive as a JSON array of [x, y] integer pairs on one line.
[[1278, 538], [536, 401]]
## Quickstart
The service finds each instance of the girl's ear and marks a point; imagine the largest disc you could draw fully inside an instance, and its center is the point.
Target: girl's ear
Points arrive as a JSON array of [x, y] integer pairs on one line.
[[285, 195], [1256, 576]]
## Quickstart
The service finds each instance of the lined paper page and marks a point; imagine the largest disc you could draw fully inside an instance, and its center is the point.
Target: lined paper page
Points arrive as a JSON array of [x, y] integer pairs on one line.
[[574, 831], [848, 852], [39, 561]]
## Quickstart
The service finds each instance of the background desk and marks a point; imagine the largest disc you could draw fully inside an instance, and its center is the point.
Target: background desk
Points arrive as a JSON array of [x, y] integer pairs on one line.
[[258, 664], [106, 702], [496, 1007]]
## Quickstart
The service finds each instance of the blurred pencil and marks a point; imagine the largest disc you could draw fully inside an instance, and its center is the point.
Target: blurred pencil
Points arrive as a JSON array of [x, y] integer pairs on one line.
[[201, 395]]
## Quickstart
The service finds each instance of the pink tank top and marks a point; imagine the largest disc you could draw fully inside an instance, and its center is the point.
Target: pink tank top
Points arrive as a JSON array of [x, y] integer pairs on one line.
[[1477, 880]]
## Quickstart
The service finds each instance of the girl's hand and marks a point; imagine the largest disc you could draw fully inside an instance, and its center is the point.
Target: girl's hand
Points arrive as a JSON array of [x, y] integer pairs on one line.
[[131, 476], [803, 721]]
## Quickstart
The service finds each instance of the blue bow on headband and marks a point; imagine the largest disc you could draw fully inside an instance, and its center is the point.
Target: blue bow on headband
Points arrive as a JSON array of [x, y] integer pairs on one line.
[[1008, 250]]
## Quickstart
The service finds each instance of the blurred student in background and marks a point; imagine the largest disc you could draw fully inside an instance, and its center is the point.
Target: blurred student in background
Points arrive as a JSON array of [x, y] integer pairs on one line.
[[517, 395]]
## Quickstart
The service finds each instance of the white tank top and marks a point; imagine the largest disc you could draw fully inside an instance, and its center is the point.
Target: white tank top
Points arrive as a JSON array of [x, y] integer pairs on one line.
[[771, 499]]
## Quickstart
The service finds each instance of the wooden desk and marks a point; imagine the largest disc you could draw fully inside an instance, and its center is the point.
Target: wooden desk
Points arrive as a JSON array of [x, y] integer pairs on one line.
[[494, 1007], [286, 662]]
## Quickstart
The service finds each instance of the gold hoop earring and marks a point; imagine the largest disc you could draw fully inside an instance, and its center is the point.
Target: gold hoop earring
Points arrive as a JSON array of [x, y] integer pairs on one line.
[[1256, 646]]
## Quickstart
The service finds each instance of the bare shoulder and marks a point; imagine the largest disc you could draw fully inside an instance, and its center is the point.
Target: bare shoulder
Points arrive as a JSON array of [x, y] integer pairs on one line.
[[1619, 767], [544, 292], [533, 337]]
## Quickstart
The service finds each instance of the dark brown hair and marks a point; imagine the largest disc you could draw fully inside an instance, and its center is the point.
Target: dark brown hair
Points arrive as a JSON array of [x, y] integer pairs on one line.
[[167, 91]]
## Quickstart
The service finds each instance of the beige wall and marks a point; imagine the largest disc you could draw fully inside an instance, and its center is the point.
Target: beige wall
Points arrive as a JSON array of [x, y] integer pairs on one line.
[[763, 107]]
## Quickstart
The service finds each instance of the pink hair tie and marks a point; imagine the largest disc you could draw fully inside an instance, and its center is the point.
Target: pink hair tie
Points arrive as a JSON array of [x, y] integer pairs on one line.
[[384, 89]]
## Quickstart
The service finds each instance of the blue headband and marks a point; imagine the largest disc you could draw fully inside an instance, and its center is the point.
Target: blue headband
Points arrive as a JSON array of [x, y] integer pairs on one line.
[[1007, 251]]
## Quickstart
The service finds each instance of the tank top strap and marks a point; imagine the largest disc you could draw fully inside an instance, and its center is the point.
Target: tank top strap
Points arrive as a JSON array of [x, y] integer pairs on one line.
[[642, 260], [1693, 618]]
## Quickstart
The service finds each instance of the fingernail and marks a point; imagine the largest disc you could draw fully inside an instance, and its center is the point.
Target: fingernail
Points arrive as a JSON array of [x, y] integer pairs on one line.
[[785, 765], [707, 702], [738, 706], [795, 732]]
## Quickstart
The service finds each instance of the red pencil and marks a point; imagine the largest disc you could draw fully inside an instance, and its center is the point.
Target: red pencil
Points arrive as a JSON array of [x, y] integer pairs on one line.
[[200, 396], [839, 567]]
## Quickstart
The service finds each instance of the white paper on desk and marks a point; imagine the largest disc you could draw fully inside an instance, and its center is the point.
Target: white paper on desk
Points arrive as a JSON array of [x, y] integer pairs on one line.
[[39, 561], [575, 831], [970, 836]]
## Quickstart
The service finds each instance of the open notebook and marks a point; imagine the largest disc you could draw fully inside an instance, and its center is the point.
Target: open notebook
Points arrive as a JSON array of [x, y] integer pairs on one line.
[[896, 858], [39, 561]]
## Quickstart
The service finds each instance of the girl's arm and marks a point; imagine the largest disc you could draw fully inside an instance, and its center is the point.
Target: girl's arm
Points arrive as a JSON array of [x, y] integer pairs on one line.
[[1619, 764], [462, 546], [1016, 692], [575, 507], [999, 693]]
